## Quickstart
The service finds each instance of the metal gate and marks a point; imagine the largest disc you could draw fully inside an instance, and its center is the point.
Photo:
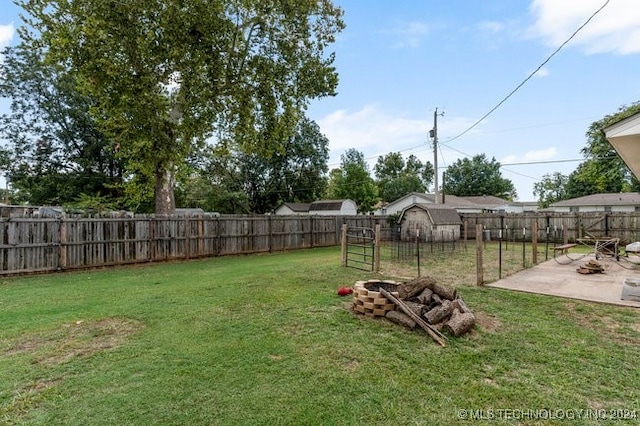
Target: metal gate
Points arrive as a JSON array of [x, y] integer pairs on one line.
[[360, 248]]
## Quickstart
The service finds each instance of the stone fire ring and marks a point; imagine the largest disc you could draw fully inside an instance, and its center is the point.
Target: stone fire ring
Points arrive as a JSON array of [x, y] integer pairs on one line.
[[368, 300]]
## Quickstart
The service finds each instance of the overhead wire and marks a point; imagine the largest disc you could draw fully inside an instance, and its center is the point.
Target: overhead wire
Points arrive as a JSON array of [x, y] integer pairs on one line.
[[481, 119]]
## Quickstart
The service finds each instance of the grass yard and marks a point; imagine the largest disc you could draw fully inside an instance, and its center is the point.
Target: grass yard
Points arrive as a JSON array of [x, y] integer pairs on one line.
[[265, 340]]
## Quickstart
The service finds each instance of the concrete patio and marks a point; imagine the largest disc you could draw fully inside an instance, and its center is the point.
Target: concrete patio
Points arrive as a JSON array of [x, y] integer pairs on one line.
[[559, 277]]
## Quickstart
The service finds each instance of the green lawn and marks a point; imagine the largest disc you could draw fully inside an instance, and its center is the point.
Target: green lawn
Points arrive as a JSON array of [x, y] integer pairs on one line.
[[265, 340]]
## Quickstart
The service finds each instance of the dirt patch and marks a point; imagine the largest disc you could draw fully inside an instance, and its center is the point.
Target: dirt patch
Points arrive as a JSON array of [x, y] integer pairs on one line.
[[487, 322], [80, 339]]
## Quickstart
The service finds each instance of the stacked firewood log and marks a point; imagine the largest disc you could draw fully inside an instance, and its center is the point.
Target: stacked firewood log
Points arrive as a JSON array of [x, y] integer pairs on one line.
[[439, 306], [591, 267]]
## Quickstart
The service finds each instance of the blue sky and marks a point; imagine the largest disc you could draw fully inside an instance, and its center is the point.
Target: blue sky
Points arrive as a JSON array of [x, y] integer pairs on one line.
[[399, 60]]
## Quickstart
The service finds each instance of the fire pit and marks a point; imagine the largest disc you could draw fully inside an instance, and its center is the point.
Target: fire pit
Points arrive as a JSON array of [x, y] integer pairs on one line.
[[368, 300]]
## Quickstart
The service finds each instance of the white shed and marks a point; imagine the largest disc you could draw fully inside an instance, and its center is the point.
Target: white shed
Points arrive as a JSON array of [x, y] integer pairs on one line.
[[431, 222], [333, 208]]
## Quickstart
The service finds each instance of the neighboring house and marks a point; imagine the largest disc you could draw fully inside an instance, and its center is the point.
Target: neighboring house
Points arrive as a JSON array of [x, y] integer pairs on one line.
[[491, 204], [618, 202], [398, 205], [481, 204], [429, 222], [463, 204], [321, 208], [291, 209], [523, 206], [624, 136]]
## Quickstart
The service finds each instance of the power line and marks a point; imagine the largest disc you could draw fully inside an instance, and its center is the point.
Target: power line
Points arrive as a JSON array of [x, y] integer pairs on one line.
[[530, 75]]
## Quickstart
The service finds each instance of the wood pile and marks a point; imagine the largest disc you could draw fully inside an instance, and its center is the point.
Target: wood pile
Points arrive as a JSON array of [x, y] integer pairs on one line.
[[591, 267], [431, 306]]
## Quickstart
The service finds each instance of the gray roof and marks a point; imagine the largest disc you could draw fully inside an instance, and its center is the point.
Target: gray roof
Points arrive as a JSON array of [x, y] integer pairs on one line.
[[611, 199], [439, 214], [326, 205], [298, 207], [486, 201], [459, 202]]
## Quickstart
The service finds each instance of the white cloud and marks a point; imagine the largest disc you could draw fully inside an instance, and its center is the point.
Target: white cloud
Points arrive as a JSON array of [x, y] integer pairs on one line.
[[531, 156], [542, 72], [375, 132], [411, 34], [6, 34], [372, 131], [492, 27], [616, 28]]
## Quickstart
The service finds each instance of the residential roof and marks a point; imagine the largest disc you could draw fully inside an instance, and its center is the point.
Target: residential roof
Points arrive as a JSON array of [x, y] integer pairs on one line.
[[610, 199], [455, 201], [439, 214], [486, 201], [298, 207], [624, 136], [326, 205]]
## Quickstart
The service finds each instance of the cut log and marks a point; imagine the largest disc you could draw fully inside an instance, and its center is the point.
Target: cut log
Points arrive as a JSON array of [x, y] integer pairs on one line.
[[591, 267], [436, 299], [401, 318], [414, 287], [425, 296], [459, 323], [433, 333], [439, 313], [444, 292], [461, 306], [418, 308]]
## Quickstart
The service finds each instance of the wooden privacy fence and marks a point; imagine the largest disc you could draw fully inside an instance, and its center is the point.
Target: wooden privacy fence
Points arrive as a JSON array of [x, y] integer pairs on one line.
[[29, 245], [557, 227]]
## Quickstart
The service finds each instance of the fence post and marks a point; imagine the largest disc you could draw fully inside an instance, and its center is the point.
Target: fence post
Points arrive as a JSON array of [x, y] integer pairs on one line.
[[152, 239], [344, 244], [187, 238], [200, 237], [479, 265], [376, 250], [270, 231], [62, 261], [534, 240]]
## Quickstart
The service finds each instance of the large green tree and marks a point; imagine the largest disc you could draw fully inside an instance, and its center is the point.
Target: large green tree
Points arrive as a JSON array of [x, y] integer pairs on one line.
[[603, 171], [477, 176], [168, 75], [551, 189], [353, 181], [396, 177], [54, 150], [243, 182]]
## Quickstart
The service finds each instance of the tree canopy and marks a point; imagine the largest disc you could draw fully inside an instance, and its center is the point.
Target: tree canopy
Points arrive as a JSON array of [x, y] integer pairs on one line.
[[353, 181], [397, 178], [237, 181], [167, 76], [55, 151], [551, 189], [477, 176]]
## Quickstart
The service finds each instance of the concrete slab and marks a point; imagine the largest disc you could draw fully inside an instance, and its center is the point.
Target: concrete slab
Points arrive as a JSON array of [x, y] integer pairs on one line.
[[559, 278]]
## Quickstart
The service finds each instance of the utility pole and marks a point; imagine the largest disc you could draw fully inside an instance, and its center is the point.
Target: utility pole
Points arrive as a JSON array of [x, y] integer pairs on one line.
[[434, 135]]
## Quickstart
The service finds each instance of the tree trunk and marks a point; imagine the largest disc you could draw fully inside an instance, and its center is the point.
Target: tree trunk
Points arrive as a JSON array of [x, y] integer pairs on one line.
[[164, 183]]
